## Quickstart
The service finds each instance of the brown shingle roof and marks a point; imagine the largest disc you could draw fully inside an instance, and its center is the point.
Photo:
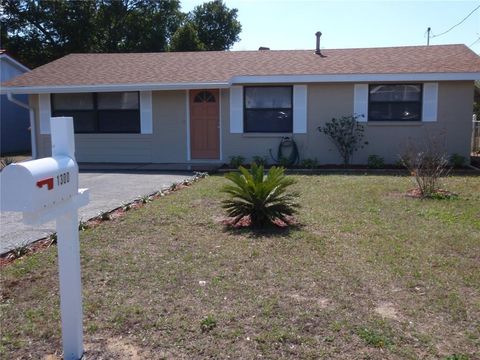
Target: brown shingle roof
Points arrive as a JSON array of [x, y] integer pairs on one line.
[[221, 66]]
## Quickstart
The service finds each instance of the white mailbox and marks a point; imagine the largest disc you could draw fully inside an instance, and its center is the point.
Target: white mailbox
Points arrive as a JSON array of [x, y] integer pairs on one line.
[[44, 190], [37, 185]]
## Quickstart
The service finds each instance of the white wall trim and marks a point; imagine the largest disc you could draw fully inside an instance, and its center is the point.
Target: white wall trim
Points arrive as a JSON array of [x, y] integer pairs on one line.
[[300, 95], [187, 109], [430, 102], [146, 112], [236, 110], [44, 113], [220, 132], [270, 79], [360, 102]]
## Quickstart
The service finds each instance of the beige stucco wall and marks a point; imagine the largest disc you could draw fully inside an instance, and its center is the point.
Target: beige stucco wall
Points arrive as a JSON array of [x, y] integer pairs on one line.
[[386, 139], [169, 127], [168, 143]]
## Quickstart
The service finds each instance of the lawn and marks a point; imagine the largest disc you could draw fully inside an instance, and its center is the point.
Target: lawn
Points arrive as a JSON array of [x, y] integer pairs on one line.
[[367, 274]]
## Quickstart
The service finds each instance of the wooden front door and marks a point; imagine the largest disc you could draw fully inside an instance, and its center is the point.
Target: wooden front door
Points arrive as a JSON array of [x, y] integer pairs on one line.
[[204, 124]]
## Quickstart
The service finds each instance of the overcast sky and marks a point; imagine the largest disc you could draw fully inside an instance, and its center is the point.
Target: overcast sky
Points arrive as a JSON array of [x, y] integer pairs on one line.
[[290, 24]]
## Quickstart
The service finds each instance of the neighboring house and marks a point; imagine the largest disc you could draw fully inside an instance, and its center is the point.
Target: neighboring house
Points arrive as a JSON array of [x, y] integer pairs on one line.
[[204, 107], [14, 120]]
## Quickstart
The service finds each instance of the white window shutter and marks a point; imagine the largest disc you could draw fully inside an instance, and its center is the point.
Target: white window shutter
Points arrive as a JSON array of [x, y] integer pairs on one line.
[[430, 102], [44, 113], [300, 109], [360, 102], [146, 122], [236, 109]]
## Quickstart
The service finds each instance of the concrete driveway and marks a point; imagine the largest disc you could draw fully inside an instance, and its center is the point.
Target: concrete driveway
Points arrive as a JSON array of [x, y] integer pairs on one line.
[[108, 190]]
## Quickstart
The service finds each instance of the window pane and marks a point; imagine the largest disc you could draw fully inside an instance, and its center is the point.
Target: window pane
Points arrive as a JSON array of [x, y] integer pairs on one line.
[[117, 100], [82, 101], [119, 121], [83, 121], [394, 111], [204, 96], [405, 92], [268, 121], [268, 97]]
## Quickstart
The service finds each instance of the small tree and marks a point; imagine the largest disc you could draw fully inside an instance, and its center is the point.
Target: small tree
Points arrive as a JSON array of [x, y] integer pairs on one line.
[[262, 198], [346, 133], [427, 164]]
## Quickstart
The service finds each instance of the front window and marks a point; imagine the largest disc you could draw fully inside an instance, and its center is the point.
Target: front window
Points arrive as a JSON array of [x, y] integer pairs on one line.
[[268, 109], [395, 102], [116, 112]]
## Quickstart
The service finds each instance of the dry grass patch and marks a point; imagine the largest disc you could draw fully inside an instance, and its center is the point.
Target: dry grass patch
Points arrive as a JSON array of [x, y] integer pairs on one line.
[[365, 275]]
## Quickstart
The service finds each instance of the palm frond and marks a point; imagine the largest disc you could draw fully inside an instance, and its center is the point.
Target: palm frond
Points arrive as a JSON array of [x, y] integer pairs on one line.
[[261, 197]]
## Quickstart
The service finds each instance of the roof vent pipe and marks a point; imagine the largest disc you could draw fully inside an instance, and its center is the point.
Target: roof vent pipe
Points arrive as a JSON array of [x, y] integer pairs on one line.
[[317, 49]]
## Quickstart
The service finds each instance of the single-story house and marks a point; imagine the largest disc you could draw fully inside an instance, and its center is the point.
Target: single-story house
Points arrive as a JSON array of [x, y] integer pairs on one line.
[[14, 120], [204, 107]]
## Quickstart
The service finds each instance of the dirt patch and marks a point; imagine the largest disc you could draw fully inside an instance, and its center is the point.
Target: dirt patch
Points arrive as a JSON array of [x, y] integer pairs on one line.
[[245, 222], [387, 310], [120, 347], [52, 357]]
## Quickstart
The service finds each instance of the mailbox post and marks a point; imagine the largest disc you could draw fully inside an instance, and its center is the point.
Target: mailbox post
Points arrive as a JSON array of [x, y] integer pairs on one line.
[[44, 190]]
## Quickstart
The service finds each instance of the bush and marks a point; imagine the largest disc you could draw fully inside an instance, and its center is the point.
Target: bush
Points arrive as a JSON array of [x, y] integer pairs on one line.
[[262, 198], [309, 163], [346, 134], [375, 162], [426, 165], [236, 161], [457, 160], [5, 162], [260, 160]]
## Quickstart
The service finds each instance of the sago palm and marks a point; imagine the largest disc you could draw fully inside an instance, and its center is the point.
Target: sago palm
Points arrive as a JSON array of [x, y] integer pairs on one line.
[[263, 198]]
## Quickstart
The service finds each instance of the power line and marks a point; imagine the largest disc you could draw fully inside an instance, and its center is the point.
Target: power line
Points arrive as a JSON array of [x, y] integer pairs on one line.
[[454, 26], [474, 42]]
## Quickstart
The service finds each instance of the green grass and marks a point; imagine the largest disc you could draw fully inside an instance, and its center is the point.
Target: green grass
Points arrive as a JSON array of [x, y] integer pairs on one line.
[[368, 273]]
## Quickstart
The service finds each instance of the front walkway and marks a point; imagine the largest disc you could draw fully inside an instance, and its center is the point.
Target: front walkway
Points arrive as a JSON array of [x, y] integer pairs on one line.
[[108, 190]]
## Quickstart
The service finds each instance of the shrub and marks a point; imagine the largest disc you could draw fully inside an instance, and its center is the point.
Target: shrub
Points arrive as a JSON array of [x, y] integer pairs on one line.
[[284, 161], [208, 323], [375, 162], [5, 162], [236, 161], [426, 165], [309, 163], [399, 163], [262, 198], [82, 225], [457, 160], [260, 160], [346, 134], [104, 216]]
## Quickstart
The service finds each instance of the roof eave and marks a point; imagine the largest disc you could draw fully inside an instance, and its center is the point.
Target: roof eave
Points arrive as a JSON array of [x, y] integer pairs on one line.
[[271, 79], [110, 87], [15, 63], [244, 79]]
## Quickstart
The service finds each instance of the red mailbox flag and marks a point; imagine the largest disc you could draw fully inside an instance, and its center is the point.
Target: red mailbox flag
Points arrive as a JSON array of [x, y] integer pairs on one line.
[[48, 182]]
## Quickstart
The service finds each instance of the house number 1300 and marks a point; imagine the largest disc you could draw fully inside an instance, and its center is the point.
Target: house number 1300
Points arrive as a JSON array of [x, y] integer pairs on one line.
[[63, 178]]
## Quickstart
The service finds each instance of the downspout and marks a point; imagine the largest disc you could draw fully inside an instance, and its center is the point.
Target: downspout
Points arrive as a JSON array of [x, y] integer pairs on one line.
[[33, 132]]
